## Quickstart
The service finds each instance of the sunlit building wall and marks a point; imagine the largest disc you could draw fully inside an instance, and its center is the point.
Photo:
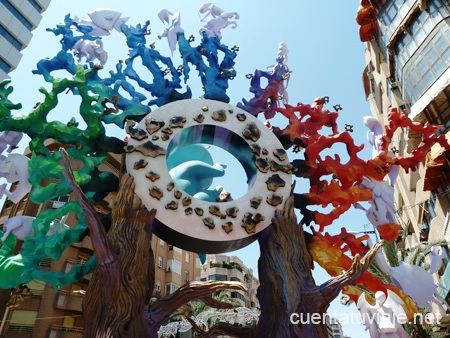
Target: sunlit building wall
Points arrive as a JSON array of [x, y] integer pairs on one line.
[[407, 66], [18, 18]]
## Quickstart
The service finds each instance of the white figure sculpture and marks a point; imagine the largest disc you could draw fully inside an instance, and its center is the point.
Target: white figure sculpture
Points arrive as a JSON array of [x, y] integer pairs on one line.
[[9, 139], [19, 226], [386, 317], [58, 226], [374, 136], [170, 32], [414, 281], [219, 20], [22, 226], [437, 255], [90, 50], [381, 210], [15, 169], [103, 20]]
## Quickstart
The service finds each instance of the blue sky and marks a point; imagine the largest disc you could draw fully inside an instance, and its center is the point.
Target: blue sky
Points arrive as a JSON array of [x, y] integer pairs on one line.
[[326, 58]]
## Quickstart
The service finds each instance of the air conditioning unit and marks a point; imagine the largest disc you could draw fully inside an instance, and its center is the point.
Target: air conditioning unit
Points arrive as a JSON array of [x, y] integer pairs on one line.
[[369, 75], [395, 84], [169, 269]]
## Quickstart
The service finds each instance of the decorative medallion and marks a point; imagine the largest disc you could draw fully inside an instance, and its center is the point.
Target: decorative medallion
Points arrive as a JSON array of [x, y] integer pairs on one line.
[[190, 222]]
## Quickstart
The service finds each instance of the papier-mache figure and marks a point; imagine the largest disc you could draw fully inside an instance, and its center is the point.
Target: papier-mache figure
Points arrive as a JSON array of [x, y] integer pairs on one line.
[[381, 210], [22, 227], [170, 32], [193, 169], [14, 168], [102, 21], [415, 281], [374, 135], [9, 140], [218, 21], [386, 317]]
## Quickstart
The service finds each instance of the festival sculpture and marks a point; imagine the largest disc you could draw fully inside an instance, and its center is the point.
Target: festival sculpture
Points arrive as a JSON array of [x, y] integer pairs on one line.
[[172, 31], [424, 290], [14, 168], [220, 20], [153, 194], [386, 317], [9, 139]]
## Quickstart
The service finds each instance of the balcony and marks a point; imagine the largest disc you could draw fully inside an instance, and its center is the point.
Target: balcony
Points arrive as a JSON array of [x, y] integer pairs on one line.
[[58, 331], [69, 301], [20, 330], [71, 262]]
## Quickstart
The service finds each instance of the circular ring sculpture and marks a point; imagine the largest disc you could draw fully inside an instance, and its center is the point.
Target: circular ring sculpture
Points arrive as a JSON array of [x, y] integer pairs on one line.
[[186, 221]]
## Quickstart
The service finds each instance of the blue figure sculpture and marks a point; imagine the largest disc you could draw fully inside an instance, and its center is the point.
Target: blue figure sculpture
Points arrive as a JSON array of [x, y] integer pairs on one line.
[[193, 169]]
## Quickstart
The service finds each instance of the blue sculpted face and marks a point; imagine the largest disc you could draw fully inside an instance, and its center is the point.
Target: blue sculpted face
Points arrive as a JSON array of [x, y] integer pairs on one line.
[[193, 169]]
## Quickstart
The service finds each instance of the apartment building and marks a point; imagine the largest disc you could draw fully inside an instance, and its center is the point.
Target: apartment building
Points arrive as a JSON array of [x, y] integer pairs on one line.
[[231, 268], [407, 66], [18, 18], [334, 328], [58, 313]]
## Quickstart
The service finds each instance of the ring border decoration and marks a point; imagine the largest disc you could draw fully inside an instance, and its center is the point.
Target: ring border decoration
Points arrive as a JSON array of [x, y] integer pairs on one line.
[[190, 223]]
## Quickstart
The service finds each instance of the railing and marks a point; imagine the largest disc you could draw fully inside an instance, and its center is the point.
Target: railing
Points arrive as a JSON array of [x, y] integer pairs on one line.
[[36, 293], [66, 328], [69, 301], [46, 262], [76, 261], [19, 329]]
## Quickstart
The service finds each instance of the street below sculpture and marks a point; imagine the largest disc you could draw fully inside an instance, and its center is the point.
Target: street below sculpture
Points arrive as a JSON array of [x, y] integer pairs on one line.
[[165, 181]]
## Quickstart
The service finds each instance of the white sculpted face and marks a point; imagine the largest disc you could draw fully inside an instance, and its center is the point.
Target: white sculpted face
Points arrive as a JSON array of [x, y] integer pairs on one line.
[[188, 214]]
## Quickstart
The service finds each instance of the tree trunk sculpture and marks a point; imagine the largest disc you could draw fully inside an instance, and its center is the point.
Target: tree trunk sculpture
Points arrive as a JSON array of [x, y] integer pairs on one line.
[[116, 302], [286, 283]]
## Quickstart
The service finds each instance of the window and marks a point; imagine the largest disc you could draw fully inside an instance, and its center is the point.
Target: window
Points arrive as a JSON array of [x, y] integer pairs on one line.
[[10, 38], [36, 288], [234, 279], [58, 202], [174, 266], [186, 276], [419, 61], [5, 66], [17, 14], [217, 277], [187, 257], [160, 262], [35, 5], [22, 321], [161, 243], [158, 286], [171, 288], [392, 15], [237, 295]]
